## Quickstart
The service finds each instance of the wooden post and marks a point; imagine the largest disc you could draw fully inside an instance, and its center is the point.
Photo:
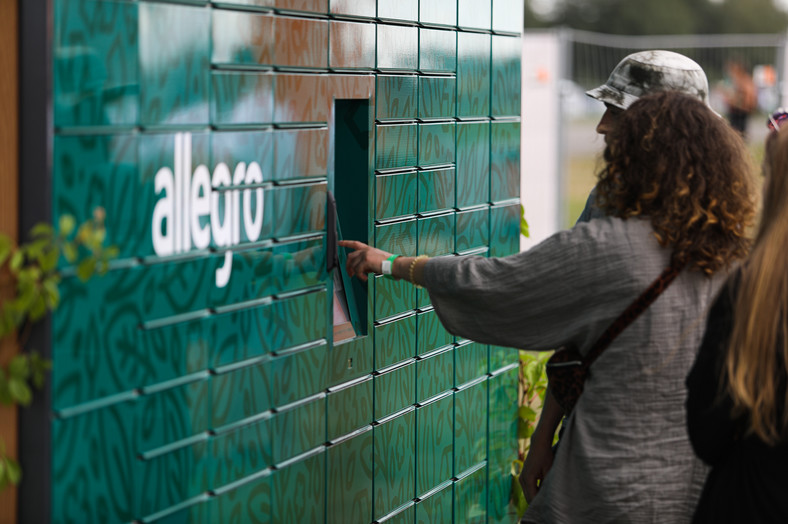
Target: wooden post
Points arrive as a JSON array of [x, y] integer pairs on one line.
[[9, 207]]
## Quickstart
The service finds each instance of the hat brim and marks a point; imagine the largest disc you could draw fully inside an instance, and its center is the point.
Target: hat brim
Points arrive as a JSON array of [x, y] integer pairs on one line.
[[620, 99], [612, 96]]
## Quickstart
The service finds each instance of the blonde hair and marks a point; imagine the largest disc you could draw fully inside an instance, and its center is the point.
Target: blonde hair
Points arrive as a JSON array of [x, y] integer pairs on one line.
[[757, 356]]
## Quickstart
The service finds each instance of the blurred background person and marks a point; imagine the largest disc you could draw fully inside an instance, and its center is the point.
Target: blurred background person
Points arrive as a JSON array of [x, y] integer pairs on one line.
[[739, 94]]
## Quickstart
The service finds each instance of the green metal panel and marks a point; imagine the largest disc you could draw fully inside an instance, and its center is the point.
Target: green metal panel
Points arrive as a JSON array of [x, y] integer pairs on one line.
[[352, 45], [394, 463], [470, 428], [473, 163], [350, 480], [398, 47], [436, 235], [95, 88], [473, 74], [470, 498], [199, 380], [438, 12], [432, 334], [436, 190], [473, 14], [434, 374], [396, 97], [473, 229], [437, 96], [436, 144], [394, 341], [395, 195], [506, 51], [505, 161], [470, 363], [437, 508], [437, 51], [395, 390], [405, 10], [434, 444], [174, 64], [393, 297], [350, 409]]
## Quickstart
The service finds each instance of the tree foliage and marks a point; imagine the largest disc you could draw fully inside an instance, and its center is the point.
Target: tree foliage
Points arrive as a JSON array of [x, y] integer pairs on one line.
[[647, 17], [29, 276]]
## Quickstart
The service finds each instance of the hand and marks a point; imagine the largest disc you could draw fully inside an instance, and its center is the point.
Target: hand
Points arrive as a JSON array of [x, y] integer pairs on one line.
[[537, 463], [364, 259]]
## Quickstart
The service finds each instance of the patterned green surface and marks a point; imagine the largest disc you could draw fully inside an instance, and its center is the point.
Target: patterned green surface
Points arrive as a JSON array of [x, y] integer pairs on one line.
[[436, 190], [473, 164], [473, 74], [198, 382], [398, 45], [352, 45], [437, 96], [394, 463], [437, 51], [437, 508], [438, 12]]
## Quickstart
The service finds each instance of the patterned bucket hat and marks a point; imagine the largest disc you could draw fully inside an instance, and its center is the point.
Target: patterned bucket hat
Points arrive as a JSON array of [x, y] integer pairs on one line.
[[647, 72]]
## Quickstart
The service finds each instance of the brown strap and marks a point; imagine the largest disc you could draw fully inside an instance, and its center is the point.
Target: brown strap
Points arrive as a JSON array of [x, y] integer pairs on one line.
[[632, 312]]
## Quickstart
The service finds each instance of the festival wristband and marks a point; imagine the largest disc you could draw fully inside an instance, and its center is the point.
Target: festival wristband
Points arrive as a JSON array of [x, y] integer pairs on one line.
[[385, 266]]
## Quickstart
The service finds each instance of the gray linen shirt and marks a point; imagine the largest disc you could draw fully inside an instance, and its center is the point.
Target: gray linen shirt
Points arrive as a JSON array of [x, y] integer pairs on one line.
[[625, 454]]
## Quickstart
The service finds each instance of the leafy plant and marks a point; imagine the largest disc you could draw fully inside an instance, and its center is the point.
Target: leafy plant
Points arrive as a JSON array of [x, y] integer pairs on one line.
[[29, 277], [524, 230], [532, 388]]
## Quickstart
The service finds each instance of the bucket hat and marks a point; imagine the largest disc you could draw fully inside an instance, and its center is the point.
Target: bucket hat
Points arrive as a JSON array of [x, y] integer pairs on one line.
[[647, 72]]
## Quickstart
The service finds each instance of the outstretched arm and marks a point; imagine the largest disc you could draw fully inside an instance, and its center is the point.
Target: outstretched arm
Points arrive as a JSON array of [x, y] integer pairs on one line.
[[366, 259]]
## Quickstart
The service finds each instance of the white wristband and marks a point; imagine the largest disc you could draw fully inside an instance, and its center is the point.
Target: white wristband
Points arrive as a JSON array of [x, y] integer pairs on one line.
[[385, 267]]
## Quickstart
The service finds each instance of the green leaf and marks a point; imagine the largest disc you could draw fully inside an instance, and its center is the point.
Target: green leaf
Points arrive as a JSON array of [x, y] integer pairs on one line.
[[51, 294], [38, 308], [19, 367], [111, 252], [14, 471], [70, 252], [42, 230], [20, 391], [39, 367], [518, 498], [17, 259], [5, 248], [527, 413], [48, 259], [524, 229], [66, 225], [86, 268]]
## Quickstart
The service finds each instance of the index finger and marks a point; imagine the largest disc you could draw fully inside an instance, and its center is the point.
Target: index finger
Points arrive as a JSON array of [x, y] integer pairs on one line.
[[352, 244]]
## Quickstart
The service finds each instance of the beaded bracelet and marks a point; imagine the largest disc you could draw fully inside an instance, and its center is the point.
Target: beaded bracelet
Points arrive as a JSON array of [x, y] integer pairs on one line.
[[412, 267]]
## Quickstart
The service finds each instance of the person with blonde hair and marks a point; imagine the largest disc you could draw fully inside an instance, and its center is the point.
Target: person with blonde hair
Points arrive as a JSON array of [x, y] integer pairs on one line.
[[676, 193], [738, 386]]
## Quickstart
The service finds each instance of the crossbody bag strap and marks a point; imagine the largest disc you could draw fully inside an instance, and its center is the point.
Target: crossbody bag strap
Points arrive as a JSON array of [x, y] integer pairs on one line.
[[632, 312]]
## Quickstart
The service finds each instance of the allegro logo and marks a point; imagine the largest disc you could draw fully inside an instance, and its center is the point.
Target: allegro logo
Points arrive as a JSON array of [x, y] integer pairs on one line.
[[200, 206]]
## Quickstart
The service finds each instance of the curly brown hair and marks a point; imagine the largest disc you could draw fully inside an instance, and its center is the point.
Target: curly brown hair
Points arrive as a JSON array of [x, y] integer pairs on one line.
[[671, 159]]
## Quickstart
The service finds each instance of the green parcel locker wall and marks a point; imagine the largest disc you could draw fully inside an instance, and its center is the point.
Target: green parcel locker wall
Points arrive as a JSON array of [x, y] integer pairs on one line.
[[200, 380]]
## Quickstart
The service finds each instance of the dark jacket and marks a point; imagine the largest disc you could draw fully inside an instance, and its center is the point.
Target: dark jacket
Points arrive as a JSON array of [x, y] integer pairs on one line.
[[748, 481]]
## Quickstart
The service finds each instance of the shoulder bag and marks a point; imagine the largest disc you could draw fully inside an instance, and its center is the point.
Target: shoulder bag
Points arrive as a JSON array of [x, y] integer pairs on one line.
[[567, 369]]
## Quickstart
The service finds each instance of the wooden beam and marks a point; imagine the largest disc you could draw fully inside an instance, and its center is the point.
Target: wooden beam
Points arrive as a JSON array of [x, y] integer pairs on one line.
[[9, 207]]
